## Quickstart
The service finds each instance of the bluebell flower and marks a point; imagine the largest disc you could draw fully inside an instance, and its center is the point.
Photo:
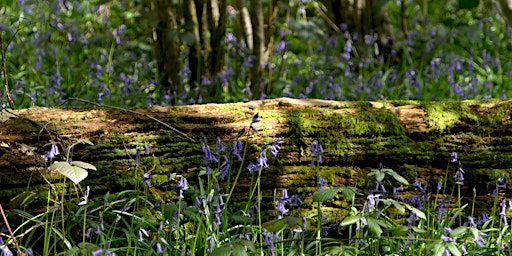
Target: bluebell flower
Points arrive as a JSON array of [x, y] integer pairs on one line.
[[86, 197], [219, 147], [471, 221], [142, 233], [479, 240], [398, 189], [262, 159], [88, 232], [5, 250], [322, 182], [208, 156], [503, 212], [327, 229], [275, 146], [459, 176], [145, 179], [316, 152], [237, 149], [254, 120], [361, 223], [182, 185], [224, 167], [29, 252], [269, 241], [454, 157], [54, 151], [137, 156], [147, 148]]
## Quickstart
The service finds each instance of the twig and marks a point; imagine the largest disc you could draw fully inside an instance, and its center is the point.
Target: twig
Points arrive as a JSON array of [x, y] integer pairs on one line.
[[133, 112], [10, 231], [4, 68]]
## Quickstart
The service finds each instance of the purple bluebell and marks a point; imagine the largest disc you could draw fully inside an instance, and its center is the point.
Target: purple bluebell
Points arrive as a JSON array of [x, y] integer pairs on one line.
[[237, 149], [322, 182], [275, 146], [454, 157], [316, 152], [459, 176], [145, 179]]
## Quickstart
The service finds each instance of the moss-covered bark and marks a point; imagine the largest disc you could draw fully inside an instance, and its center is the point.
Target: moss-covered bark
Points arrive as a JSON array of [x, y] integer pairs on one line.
[[356, 136]]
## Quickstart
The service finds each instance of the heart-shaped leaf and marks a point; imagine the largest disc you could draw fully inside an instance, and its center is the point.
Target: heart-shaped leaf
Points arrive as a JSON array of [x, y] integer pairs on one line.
[[83, 165], [74, 173]]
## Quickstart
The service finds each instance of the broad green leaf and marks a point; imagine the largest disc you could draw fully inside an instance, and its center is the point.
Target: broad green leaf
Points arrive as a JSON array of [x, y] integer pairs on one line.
[[324, 195], [221, 251], [396, 204], [380, 176], [74, 173], [247, 244], [238, 250], [349, 220], [374, 227], [398, 177], [83, 165], [418, 212], [349, 193], [275, 225], [452, 247], [458, 231]]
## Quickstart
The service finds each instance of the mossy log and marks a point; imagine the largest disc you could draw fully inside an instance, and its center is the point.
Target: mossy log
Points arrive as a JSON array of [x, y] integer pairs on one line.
[[356, 137]]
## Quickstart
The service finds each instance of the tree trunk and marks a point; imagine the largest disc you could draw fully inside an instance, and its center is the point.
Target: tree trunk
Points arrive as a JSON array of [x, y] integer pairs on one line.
[[166, 46], [258, 50], [356, 137]]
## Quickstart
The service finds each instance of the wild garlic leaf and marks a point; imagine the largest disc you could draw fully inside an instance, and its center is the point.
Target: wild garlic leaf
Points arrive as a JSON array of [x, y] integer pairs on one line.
[[83, 165], [74, 173]]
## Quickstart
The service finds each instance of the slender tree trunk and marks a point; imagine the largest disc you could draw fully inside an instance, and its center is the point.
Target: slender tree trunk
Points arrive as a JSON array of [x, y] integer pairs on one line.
[[194, 55], [166, 48], [258, 50]]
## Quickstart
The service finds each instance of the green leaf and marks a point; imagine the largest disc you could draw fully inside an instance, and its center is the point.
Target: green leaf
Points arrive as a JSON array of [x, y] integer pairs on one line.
[[74, 173], [83, 165], [349, 193], [458, 231], [85, 141], [452, 247], [23, 199], [374, 227], [398, 177], [275, 225], [221, 251], [380, 176], [468, 4], [238, 250], [247, 244], [324, 195], [396, 204], [418, 212], [349, 220]]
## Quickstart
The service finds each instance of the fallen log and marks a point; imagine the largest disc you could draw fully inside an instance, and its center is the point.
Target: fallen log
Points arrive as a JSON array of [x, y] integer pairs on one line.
[[356, 137]]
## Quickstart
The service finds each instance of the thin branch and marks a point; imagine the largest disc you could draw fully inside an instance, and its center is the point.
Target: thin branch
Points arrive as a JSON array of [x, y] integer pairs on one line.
[[10, 231], [4, 68], [133, 112]]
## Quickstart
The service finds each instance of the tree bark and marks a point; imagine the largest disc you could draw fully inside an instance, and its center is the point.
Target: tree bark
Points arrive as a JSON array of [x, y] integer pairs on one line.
[[166, 46], [356, 137], [258, 50]]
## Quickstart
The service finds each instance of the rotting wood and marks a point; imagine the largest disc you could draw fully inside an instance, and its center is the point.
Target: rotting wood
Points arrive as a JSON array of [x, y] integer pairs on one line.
[[356, 136]]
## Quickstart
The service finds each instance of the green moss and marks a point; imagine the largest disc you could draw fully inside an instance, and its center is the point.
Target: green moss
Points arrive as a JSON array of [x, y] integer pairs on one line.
[[442, 116]]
